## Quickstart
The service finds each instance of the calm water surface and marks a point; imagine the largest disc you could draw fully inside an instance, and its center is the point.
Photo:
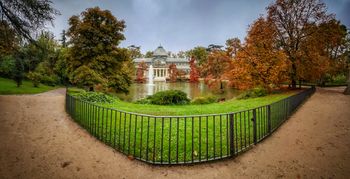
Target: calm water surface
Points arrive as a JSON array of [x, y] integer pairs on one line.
[[193, 90]]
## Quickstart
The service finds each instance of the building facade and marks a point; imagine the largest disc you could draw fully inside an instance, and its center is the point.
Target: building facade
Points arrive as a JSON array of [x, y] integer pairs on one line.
[[160, 63]]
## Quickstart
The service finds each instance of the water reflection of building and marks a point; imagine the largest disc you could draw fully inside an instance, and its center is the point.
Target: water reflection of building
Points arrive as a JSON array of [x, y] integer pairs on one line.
[[161, 61]]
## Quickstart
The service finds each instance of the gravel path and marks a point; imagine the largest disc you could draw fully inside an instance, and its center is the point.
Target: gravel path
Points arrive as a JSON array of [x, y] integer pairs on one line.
[[38, 140]]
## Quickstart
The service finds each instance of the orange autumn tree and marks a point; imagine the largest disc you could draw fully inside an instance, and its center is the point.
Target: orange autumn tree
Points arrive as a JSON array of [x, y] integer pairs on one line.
[[323, 53], [173, 72], [194, 74], [217, 64], [259, 62], [292, 20], [140, 73]]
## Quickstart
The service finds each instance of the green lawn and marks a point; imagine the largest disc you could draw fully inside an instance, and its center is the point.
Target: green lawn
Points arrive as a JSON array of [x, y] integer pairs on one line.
[[179, 139], [8, 86]]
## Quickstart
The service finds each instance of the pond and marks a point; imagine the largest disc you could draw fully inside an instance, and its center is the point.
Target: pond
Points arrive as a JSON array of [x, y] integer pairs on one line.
[[193, 90]]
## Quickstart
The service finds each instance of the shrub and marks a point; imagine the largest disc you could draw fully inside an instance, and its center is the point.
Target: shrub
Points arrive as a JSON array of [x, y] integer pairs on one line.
[[204, 100], [253, 93], [95, 97], [35, 78], [143, 101], [7, 63], [169, 97], [339, 79], [50, 80]]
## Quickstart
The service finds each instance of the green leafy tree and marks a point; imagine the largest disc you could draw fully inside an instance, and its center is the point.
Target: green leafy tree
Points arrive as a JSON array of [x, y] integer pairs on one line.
[[35, 77], [135, 51], [94, 56], [63, 39], [18, 71], [149, 54], [199, 53], [7, 64], [43, 49], [60, 68]]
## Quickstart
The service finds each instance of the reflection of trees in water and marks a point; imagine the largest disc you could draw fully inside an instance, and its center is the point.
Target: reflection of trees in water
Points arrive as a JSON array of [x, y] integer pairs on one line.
[[193, 90]]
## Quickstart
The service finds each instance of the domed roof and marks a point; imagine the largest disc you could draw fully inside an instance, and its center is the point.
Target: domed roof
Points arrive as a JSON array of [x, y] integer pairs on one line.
[[160, 52]]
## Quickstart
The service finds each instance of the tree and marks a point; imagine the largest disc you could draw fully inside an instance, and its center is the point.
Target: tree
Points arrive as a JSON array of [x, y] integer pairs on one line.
[[94, 56], [61, 66], [173, 72], [63, 39], [181, 54], [215, 67], [149, 54], [18, 73], [43, 49], [291, 20], [194, 74], [259, 63], [332, 37], [232, 46], [140, 73], [8, 39], [26, 16], [135, 51], [214, 47], [199, 53]]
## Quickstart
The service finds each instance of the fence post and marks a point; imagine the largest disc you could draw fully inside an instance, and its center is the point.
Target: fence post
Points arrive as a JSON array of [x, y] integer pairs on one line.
[[269, 118], [254, 126], [232, 136]]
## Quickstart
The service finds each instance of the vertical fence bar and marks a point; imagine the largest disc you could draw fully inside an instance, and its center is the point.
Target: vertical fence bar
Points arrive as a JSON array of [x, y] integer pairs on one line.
[[269, 118], [115, 127], [232, 137], [141, 137], [154, 140], [135, 135], [200, 138], [185, 129], [161, 142], [214, 151], [254, 126], [147, 139], [177, 140], [129, 137], [169, 142]]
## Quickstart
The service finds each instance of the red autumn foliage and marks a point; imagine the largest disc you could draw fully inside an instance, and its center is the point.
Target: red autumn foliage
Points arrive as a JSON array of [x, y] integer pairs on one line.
[[140, 73], [173, 72], [194, 74], [259, 62]]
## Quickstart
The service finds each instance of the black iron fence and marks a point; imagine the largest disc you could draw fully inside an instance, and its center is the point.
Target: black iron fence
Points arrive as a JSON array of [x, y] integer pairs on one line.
[[182, 139]]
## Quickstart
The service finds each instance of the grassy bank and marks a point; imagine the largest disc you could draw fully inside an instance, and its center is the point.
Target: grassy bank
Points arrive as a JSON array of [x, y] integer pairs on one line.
[[8, 86], [191, 109]]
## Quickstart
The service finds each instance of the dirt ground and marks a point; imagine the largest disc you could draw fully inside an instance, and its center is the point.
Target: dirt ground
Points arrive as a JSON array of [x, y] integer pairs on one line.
[[38, 140]]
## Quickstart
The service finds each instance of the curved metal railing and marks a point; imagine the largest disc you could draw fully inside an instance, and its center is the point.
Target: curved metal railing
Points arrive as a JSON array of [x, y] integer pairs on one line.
[[182, 139]]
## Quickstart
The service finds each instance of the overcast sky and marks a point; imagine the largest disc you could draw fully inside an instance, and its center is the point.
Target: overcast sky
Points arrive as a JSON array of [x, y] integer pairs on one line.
[[181, 24]]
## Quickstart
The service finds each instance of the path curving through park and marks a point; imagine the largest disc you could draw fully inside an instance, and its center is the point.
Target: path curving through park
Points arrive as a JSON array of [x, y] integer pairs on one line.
[[38, 140]]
